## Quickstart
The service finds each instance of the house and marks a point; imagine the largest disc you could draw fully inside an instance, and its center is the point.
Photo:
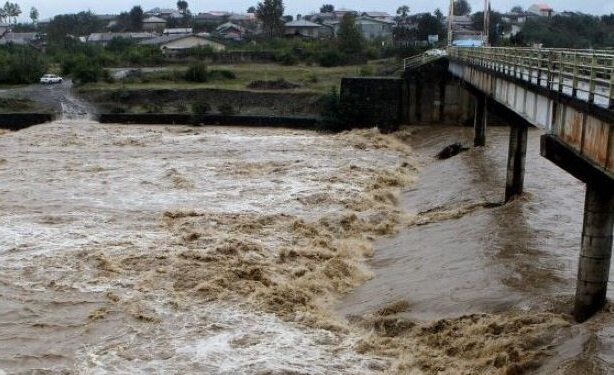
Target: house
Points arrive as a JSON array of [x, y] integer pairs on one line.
[[106, 38], [515, 20], [4, 28], [177, 31], [339, 13], [231, 31], [173, 45], [321, 17], [372, 28], [165, 14], [154, 24], [302, 28], [243, 19], [542, 10], [382, 16], [20, 38], [215, 17]]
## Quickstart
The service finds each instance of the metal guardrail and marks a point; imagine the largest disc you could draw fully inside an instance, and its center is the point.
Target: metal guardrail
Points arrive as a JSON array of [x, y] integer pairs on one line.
[[417, 61], [583, 74]]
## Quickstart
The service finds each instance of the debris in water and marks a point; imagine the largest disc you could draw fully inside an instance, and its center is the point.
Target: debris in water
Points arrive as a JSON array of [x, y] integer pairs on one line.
[[451, 150]]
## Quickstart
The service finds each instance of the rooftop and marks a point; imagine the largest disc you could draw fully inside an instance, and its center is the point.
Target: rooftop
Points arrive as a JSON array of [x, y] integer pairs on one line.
[[302, 23]]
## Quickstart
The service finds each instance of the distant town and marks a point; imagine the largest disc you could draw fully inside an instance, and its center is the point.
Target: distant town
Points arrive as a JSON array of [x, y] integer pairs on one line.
[[84, 44]]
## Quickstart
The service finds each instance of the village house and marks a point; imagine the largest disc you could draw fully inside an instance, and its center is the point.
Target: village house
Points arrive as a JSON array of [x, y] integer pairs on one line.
[[177, 31], [166, 14], [321, 17], [515, 20], [382, 16], [372, 28], [106, 38], [33, 39], [212, 17], [175, 45], [154, 24], [542, 10], [231, 31], [302, 28]]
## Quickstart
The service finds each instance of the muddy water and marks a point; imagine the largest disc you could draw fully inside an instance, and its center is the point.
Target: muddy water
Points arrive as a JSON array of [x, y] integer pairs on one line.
[[144, 249], [136, 249], [466, 259]]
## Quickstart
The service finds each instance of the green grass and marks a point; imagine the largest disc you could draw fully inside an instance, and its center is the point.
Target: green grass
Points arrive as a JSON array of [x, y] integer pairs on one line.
[[18, 105], [314, 79]]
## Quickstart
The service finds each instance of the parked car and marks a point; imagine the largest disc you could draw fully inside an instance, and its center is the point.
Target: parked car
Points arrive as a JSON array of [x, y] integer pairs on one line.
[[51, 78]]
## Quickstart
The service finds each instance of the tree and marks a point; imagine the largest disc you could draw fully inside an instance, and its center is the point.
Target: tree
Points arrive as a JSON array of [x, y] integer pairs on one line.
[[349, 37], [12, 10], [136, 18], [438, 14], [461, 8], [428, 25], [496, 26], [403, 11], [517, 9], [182, 6], [327, 8], [269, 12], [3, 15], [83, 23], [34, 14], [251, 9]]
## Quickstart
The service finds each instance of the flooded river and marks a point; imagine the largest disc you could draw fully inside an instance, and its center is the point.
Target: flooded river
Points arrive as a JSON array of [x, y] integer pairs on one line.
[[154, 249]]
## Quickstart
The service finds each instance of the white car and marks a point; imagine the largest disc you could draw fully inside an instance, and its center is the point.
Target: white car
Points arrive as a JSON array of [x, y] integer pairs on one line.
[[51, 78]]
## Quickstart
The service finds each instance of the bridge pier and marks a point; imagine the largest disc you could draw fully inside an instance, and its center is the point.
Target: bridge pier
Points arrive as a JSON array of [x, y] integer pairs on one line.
[[479, 121], [516, 157], [596, 252]]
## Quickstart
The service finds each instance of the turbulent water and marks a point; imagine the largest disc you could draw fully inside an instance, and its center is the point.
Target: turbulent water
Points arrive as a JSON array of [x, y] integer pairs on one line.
[[144, 249]]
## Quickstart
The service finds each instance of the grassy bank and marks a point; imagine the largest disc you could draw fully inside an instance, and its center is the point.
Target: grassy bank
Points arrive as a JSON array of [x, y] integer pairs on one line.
[[313, 79]]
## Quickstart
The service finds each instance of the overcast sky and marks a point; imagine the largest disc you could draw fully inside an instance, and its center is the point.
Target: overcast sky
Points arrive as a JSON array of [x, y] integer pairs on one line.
[[49, 8]]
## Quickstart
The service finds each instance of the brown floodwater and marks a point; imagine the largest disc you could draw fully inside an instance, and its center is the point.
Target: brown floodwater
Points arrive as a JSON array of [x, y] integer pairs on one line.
[[519, 256], [221, 250]]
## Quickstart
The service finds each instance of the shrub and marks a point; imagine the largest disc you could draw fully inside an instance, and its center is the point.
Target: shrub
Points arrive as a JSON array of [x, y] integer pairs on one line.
[[287, 58], [331, 58], [153, 108], [226, 109], [365, 71], [200, 108], [21, 65], [312, 78], [332, 118], [197, 73], [222, 73], [87, 71]]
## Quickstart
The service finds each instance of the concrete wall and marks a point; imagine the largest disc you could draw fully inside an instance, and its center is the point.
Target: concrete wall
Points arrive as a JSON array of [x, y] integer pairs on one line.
[[18, 121], [375, 101]]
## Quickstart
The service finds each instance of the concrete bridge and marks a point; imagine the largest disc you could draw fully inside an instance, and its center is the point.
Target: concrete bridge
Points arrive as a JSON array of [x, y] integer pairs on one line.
[[567, 93]]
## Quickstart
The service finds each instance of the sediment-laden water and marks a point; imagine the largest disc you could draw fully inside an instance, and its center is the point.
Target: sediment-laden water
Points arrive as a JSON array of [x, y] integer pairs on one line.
[[144, 249]]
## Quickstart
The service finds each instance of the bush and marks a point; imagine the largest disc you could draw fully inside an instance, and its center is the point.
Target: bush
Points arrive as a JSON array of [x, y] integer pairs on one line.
[[21, 65], [226, 109], [365, 71], [287, 58], [332, 117], [86, 71], [222, 73], [331, 58], [197, 73], [200, 108]]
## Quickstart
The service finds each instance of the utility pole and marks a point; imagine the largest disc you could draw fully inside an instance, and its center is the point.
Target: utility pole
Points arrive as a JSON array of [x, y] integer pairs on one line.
[[450, 17], [486, 22]]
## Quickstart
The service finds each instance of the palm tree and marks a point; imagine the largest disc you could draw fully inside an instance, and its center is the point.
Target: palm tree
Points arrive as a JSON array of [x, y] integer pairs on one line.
[[16, 12], [7, 10], [3, 15]]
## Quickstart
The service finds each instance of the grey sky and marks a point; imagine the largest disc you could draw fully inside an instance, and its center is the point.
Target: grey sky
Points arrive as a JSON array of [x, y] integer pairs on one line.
[[48, 8]]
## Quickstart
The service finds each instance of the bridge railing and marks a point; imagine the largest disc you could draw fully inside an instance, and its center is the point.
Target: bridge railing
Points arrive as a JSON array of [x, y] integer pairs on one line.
[[585, 75], [417, 61]]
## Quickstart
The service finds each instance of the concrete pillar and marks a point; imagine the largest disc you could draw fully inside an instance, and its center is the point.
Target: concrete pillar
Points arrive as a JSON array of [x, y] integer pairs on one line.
[[442, 99], [594, 265], [418, 100], [516, 156], [479, 121]]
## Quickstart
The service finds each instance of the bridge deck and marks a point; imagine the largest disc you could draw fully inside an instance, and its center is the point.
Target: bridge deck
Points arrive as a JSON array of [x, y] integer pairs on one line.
[[584, 75]]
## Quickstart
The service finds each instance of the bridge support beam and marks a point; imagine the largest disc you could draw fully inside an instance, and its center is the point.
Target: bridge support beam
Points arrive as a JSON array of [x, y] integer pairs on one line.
[[594, 266], [517, 153], [479, 121]]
